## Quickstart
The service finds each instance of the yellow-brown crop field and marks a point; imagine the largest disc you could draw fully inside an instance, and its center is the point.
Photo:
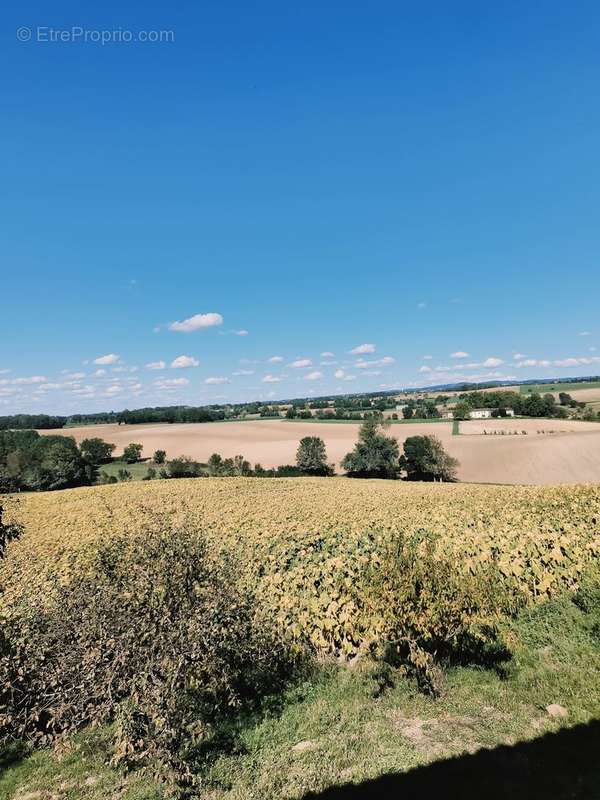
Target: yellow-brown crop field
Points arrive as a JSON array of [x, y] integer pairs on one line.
[[305, 543]]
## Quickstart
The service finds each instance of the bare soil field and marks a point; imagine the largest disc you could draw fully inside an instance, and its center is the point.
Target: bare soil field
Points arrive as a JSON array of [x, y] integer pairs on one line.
[[534, 427], [569, 455]]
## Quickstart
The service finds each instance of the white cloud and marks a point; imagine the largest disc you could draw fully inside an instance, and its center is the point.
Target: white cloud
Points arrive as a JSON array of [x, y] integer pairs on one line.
[[181, 362], [532, 362], [242, 332], [170, 383], [75, 376], [327, 354], [99, 373], [156, 365], [380, 362], [459, 354], [216, 381], [342, 375], [114, 389], [313, 376], [196, 323], [424, 368], [24, 381], [271, 379], [362, 349], [585, 333], [519, 356], [243, 372], [427, 358], [584, 361], [492, 362], [275, 359], [300, 363], [110, 358]]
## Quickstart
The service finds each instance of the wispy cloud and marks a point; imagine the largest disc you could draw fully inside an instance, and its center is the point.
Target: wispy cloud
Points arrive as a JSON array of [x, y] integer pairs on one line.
[[215, 381], [271, 379], [171, 383], [156, 365], [300, 363], [275, 359], [459, 354], [313, 376]]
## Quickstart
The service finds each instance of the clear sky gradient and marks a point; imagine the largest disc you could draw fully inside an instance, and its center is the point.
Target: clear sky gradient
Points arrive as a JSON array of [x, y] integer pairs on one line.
[[423, 179]]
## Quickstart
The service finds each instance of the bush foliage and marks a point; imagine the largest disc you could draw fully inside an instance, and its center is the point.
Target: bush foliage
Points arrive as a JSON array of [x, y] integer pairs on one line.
[[154, 635]]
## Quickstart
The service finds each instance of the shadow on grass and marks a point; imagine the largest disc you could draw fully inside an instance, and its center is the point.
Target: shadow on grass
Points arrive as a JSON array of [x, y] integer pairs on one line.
[[556, 766]]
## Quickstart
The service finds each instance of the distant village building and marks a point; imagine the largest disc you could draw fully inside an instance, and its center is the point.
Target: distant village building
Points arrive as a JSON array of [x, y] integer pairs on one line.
[[480, 413]]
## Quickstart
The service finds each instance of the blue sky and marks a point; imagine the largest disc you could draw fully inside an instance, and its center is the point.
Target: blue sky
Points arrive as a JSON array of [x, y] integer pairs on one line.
[[423, 183]]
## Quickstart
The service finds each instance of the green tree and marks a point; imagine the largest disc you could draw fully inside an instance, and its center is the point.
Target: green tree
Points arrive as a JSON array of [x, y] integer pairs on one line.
[[375, 455], [96, 450], [291, 413], [215, 465], [407, 412], [183, 467], [159, 457], [425, 459], [311, 456], [132, 453], [461, 410]]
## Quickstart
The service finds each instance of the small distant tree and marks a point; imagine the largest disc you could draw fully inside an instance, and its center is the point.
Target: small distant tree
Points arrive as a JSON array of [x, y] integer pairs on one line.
[[159, 457], [407, 412], [375, 455], [124, 474], [311, 456], [150, 474], [425, 459], [291, 413], [241, 467], [96, 450], [215, 465], [183, 467], [461, 410], [132, 453]]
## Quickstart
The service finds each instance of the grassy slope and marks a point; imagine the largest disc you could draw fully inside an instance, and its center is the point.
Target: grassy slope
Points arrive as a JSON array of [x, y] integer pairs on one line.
[[542, 388], [359, 724]]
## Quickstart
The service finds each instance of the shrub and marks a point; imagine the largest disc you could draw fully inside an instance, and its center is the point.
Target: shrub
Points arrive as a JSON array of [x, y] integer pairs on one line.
[[8, 532], [154, 635], [159, 457], [422, 610], [183, 467]]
